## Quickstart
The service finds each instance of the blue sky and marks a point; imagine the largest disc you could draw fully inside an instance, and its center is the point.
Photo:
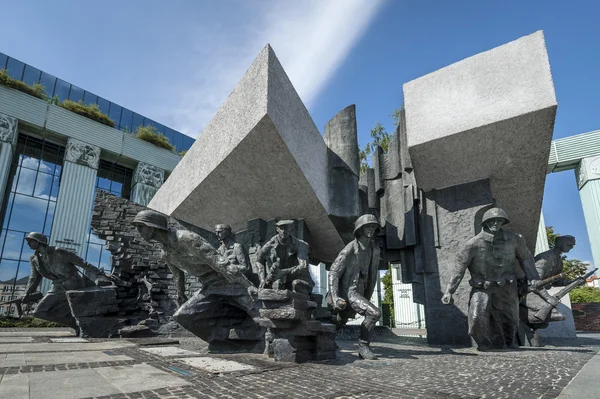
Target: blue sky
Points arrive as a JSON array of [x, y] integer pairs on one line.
[[177, 61]]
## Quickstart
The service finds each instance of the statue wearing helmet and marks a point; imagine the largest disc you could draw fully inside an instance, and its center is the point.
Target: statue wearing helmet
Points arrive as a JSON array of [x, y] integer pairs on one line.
[[225, 289], [60, 266], [500, 263], [352, 280]]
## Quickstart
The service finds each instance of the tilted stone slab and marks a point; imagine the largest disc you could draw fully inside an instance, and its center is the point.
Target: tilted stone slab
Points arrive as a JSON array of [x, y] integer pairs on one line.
[[285, 314], [280, 295], [261, 156], [488, 116]]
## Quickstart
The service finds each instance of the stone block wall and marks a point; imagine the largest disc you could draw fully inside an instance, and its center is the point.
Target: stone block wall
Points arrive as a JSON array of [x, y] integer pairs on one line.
[[587, 316]]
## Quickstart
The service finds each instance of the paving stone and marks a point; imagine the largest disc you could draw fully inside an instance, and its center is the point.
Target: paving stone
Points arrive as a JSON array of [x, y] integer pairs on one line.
[[68, 340], [166, 351], [215, 365], [14, 340]]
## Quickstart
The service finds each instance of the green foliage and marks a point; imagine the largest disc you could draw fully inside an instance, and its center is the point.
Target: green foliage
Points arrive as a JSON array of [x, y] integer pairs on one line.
[[380, 137], [585, 295], [36, 90], [388, 290], [151, 135], [26, 322], [91, 111], [573, 267], [182, 153]]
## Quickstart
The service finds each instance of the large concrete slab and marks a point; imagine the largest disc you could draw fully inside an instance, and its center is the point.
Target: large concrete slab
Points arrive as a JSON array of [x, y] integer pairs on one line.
[[74, 384], [488, 116], [34, 333], [36, 359], [14, 340], [169, 351], [261, 156], [56, 347], [216, 365]]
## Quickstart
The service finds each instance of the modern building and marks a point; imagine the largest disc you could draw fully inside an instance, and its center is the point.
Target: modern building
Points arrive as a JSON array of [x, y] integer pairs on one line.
[[52, 160]]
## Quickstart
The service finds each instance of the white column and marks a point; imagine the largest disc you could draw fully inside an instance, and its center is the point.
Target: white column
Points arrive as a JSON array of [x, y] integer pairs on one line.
[[541, 243], [588, 181], [319, 275], [147, 179], [8, 139], [407, 314]]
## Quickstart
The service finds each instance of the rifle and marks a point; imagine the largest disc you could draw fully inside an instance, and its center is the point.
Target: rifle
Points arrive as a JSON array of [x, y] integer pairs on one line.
[[36, 296], [549, 280], [543, 313]]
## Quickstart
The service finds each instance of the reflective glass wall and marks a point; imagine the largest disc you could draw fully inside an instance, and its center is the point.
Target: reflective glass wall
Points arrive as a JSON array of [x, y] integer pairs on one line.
[[124, 118], [34, 184], [115, 179]]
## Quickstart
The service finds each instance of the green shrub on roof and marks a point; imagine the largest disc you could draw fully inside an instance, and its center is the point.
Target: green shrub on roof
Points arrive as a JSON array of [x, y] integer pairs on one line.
[[151, 135], [91, 111], [36, 90]]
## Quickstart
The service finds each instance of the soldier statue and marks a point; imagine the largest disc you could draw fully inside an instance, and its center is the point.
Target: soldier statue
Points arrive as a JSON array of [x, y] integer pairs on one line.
[[283, 261], [500, 264], [549, 265], [235, 252], [59, 266], [352, 280], [225, 291]]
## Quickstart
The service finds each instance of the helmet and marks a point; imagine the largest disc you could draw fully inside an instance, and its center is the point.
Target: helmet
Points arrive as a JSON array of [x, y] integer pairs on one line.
[[39, 237], [494, 213], [151, 218], [365, 220]]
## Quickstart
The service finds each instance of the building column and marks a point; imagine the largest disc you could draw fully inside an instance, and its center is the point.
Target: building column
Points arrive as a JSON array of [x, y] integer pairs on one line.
[[541, 243], [407, 314], [588, 182], [147, 179], [319, 275], [8, 139]]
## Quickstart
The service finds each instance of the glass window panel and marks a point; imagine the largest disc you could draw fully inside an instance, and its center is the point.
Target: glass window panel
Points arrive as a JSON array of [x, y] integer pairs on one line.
[[103, 183], [105, 259], [169, 134], [149, 122], [13, 245], [23, 275], [57, 170], [115, 113], [3, 59], [48, 81], [116, 188], [138, 120], [103, 104], [49, 219], [76, 94], [160, 128], [2, 237], [177, 141], [49, 159], [9, 205], [28, 213], [31, 75], [15, 68], [94, 239], [62, 90], [89, 98], [30, 162], [187, 142], [8, 271], [55, 188], [43, 185], [26, 181], [26, 252], [93, 254], [126, 119]]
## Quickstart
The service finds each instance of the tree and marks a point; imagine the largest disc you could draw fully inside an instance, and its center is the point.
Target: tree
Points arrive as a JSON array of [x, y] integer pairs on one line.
[[585, 295], [573, 267], [379, 137]]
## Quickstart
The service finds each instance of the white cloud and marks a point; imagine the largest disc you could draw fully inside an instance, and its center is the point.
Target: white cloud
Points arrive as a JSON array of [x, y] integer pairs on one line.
[[311, 39]]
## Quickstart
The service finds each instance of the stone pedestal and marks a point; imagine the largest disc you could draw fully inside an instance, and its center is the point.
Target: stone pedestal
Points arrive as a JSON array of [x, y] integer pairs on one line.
[[146, 181]]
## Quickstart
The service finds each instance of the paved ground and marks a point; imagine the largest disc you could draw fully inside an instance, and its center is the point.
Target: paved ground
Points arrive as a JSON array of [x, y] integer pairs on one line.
[[39, 368]]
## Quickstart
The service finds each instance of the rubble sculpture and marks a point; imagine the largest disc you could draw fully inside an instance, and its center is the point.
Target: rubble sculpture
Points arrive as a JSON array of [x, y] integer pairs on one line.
[[226, 299], [352, 280], [283, 261], [500, 264], [234, 252], [59, 266]]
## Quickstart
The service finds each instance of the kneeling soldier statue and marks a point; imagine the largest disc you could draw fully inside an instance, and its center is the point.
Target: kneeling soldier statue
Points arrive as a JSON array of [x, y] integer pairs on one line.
[[60, 266], [500, 264], [352, 281]]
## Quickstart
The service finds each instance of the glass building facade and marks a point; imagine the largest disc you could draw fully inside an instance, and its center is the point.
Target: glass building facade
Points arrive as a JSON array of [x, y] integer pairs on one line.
[[124, 118], [29, 206]]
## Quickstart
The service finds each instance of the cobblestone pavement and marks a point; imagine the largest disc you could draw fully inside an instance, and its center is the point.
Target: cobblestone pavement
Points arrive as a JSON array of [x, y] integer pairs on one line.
[[407, 369]]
